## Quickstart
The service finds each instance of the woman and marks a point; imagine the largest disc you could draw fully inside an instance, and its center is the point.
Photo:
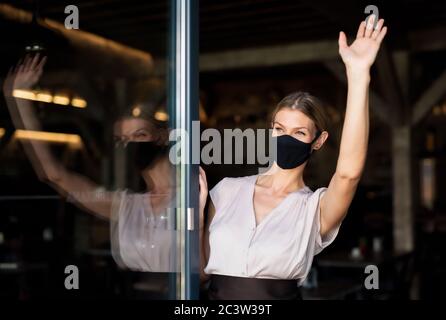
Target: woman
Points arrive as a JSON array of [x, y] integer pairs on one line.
[[140, 236], [262, 231]]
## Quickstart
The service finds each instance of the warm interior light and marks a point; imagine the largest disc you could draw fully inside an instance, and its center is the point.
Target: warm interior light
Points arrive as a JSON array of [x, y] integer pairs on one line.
[[44, 97], [136, 112], [61, 100], [49, 98], [161, 116], [78, 103], [73, 139], [24, 94], [2, 132]]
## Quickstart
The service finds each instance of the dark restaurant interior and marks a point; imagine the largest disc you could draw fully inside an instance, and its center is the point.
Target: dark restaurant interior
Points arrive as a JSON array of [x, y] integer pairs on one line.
[[251, 54]]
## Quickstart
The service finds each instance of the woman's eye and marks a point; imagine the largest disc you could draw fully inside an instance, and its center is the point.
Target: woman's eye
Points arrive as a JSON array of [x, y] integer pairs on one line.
[[301, 133], [141, 135], [278, 129]]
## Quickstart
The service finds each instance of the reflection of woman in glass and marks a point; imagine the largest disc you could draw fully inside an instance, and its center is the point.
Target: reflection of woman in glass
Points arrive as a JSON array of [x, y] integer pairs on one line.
[[140, 235], [264, 230]]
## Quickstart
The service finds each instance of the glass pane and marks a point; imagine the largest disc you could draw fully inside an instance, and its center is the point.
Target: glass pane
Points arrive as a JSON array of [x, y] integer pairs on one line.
[[87, 191]]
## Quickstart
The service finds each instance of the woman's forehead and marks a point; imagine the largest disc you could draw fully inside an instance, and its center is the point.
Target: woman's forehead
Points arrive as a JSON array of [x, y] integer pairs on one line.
[[129, 125], [292, 118]]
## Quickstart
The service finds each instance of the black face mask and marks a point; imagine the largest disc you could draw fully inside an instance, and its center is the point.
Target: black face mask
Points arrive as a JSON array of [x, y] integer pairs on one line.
[[143, 154], [140, 156], [292, 152]]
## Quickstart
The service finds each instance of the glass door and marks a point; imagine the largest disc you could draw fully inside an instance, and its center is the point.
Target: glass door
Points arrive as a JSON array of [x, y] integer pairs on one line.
[[92, 203], [184, 102]]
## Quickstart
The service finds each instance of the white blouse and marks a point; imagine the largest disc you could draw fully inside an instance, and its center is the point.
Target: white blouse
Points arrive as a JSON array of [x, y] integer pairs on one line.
[[281, 246], [140, 239]]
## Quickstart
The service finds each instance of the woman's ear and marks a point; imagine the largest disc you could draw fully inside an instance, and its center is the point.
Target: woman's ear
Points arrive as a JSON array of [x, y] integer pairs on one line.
[[320, 141]]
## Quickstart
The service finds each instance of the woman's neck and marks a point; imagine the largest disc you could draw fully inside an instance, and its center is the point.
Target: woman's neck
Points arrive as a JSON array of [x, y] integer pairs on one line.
[[280, 180], [159, 177]]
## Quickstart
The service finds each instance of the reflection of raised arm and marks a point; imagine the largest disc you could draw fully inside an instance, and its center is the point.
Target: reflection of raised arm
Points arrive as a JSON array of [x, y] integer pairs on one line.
[[48, 169]]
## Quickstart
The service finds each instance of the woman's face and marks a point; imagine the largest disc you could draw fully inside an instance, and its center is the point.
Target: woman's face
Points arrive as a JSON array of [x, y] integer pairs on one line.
[[133, 130], [294, 123]]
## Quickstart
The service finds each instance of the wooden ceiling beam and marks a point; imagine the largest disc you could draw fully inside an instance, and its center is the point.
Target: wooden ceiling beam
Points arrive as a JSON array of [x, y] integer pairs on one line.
[[106, 55]]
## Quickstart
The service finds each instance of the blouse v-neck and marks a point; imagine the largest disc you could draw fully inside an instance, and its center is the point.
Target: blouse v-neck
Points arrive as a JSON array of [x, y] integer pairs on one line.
[[283, 244], [272, 211]]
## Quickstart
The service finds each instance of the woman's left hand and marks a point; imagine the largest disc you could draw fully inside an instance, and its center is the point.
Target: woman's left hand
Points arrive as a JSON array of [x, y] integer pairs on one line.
[[361, 54], [203, 192]]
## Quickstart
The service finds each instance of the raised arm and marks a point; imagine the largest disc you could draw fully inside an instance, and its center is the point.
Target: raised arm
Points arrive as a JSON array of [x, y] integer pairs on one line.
[[358, 59], [47, 167]]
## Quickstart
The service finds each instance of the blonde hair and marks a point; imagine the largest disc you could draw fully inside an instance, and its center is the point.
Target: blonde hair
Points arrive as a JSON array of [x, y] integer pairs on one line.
[[308, 104]]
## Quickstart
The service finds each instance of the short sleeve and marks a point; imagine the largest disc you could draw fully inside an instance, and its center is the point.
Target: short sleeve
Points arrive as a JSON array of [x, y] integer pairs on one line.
[[118, 213], [321, 242], [118, 204], [223, 192]]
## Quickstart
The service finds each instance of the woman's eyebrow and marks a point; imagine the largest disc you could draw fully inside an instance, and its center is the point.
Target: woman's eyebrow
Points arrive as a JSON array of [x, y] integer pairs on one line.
[[139, 130], [276, 122]]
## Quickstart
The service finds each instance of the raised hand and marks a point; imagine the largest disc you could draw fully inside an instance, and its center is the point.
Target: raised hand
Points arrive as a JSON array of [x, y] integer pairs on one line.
[[361, 54], [25, 75]]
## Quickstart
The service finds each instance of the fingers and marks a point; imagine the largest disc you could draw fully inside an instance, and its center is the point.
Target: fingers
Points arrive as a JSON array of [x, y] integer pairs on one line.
[[41, 63], [366, 30], [381, 35], [20, 68], [203, 186], [203, 191], [378, 28], [27, 63], [34, 62], [369, 27], [342, 40], [30, 63], [202, 177], [202, 172], [361, 30]]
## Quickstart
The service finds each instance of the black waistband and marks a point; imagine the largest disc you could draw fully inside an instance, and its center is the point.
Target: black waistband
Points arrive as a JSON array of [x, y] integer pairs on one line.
[[239, 288]]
